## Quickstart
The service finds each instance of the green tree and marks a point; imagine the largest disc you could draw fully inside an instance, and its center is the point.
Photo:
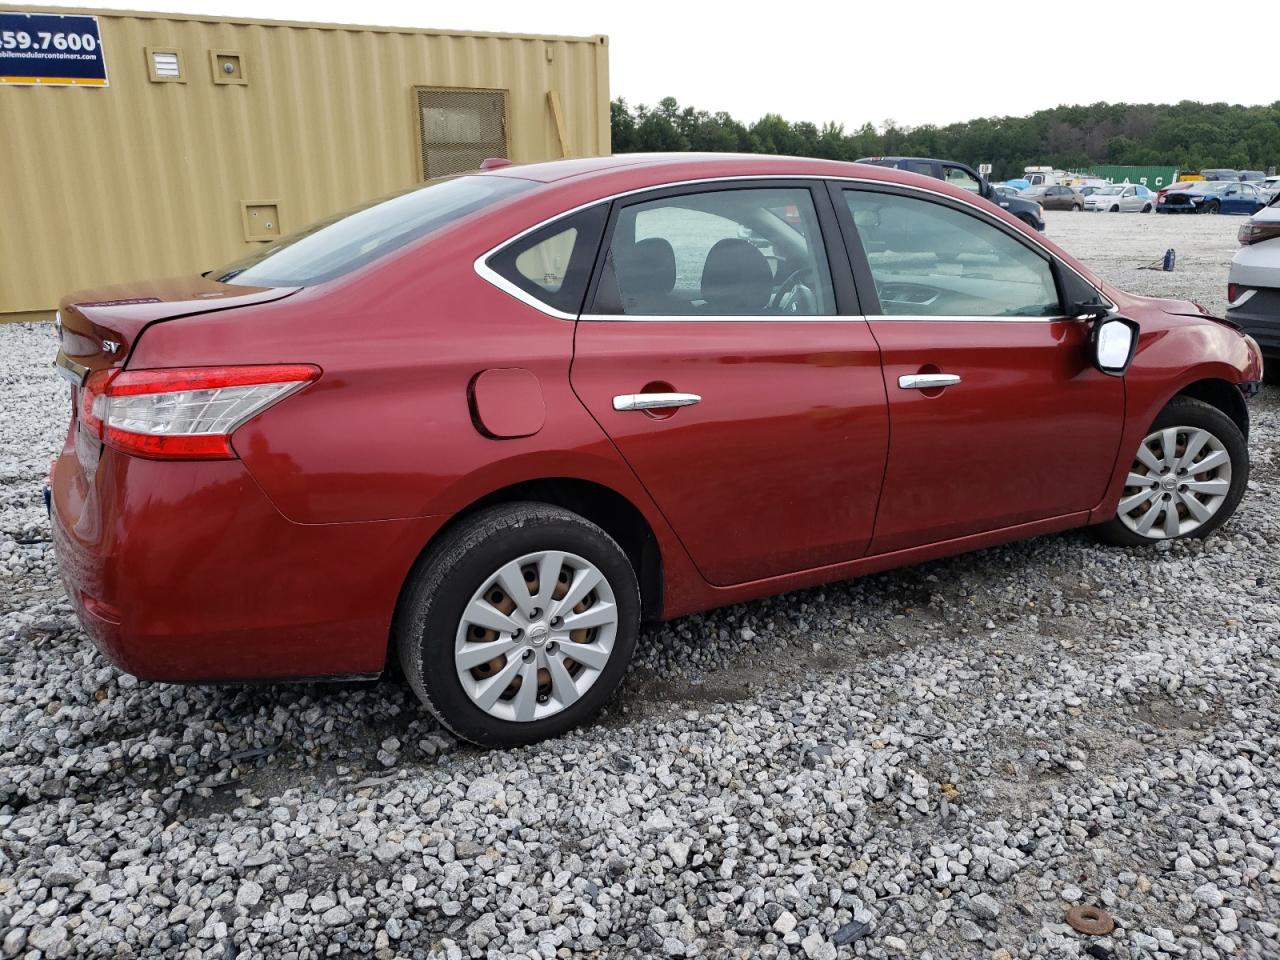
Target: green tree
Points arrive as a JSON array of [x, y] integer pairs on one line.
[[1188, 135]]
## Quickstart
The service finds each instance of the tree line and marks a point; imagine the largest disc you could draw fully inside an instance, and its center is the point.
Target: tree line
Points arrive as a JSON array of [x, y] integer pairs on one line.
[[1188, 135]]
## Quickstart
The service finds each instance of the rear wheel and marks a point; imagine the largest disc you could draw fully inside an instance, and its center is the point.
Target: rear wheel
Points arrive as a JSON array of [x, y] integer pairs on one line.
[[1076, 208], [1186, 479], [1146, 208], [519, 624]]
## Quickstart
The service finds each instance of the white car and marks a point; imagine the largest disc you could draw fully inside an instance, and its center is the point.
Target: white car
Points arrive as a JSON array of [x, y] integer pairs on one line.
[[1121, 198], [1253, 285]]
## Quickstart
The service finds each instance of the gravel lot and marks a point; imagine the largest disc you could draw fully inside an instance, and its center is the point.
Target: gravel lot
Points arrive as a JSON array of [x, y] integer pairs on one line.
[[930, 763]]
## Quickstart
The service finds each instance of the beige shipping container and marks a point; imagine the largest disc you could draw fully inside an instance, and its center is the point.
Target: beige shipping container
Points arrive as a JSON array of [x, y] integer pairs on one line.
[[214, 136]]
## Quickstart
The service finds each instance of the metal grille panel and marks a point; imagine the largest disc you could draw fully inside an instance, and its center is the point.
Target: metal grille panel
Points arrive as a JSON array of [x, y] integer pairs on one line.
[[460, 128]]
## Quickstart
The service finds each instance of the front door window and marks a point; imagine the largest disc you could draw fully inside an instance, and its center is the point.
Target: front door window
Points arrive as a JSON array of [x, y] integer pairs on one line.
[[929, 259]]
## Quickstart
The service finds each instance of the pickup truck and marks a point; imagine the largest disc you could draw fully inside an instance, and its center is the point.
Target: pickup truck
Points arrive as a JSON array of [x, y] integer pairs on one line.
[[964, 176]]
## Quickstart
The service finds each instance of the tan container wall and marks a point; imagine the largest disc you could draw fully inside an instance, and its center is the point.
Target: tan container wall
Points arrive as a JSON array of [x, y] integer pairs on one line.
[[146, 179]]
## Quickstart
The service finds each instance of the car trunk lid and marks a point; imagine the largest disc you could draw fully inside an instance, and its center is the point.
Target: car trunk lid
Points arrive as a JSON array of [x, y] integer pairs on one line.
[[98, 328]]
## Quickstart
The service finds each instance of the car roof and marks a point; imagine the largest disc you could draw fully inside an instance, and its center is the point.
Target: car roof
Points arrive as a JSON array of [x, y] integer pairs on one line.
[[749, 164], [590, 177]]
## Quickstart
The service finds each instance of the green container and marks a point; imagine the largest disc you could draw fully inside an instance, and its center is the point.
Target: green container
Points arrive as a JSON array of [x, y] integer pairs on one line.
[[1153, 178]]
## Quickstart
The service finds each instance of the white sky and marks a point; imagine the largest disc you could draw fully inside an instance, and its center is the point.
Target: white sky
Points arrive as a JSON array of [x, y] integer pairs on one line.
[[852, 61]]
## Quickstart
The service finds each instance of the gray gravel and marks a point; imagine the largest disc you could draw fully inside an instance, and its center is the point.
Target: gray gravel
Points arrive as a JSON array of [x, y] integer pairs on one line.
[[931, 763]]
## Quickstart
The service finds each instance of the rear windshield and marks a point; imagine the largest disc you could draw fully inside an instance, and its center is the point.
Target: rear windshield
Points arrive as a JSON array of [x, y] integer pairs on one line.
[[353, 238]]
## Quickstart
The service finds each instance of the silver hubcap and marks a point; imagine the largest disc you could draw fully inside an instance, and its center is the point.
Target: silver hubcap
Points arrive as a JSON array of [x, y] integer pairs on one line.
[[1179, 480], [535, 636]]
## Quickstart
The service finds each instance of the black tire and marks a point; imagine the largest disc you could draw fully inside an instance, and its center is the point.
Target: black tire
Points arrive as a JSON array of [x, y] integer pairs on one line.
[[1189, 412], [1076, 208], [1146, 208], [1210, 207], [452, 570], [1115, 208]]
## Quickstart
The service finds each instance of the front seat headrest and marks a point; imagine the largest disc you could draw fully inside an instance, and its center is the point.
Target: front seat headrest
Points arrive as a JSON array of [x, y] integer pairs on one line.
[[646, 269], [736, 279]]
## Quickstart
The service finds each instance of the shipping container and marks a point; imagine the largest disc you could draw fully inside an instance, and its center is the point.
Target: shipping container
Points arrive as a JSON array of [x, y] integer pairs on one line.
[[1153, 178], [165, 144]]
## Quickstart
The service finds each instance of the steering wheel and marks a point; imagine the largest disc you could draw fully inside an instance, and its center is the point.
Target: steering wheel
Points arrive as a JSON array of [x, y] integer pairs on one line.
[[795, 295]]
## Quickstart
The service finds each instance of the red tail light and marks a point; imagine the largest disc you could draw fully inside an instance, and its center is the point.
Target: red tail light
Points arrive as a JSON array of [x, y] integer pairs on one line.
[[183, 414], [1253, 232], [1233, 292]]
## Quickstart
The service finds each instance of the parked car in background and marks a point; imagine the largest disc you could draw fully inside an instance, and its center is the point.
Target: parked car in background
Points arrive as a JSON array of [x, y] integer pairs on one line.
[[504, 472], [1219, 174], [1252, 176], [966, 178], [1253, 283], [1271, 185], [1055, 197], [1121, 198], [1005, 189], [1088, 191], [1214, 196]]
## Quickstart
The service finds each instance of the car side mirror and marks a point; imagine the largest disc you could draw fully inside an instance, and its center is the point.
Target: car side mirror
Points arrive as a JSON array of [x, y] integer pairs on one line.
[[1113, 342], [985, 189], [1090, 310]]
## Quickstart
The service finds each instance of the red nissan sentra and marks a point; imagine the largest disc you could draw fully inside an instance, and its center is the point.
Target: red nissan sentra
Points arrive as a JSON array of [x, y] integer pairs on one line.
[[490, 424]]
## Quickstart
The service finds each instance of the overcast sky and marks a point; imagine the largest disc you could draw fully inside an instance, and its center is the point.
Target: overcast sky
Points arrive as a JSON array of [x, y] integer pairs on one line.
[[925, 61]]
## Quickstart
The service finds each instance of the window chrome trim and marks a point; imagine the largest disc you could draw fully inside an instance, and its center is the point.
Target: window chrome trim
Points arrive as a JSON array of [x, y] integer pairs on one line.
[[964, 318], [723, 318], [488, 274]]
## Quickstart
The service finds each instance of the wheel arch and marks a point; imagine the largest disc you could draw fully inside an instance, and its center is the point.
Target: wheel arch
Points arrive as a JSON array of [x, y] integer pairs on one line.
[[1221, 394], [602, 505]]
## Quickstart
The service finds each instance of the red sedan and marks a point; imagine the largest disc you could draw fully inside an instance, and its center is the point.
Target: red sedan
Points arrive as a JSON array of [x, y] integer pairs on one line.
[[488, 425]]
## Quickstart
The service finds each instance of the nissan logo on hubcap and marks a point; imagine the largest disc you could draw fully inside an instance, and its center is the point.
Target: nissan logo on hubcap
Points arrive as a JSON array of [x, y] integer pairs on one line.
[[538, 635], [1169, 482]]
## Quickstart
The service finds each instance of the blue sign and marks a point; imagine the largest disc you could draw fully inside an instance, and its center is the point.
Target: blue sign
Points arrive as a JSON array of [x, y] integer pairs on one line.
[[51, 49]]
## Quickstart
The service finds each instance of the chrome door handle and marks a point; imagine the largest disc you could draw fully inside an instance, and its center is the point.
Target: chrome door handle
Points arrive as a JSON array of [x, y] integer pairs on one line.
[[928, 381], [653, 401]]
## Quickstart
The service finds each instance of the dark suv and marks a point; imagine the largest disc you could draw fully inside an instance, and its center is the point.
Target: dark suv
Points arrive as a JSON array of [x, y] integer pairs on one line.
[[966, 178]]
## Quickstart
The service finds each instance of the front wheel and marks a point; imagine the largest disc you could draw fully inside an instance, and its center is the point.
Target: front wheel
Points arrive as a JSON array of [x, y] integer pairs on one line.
[[1211, 207], [519, 624], [1186, 479], [1115, 208]]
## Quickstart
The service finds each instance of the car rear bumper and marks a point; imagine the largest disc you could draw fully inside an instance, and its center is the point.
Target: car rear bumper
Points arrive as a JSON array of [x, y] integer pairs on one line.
[[1259, 316], [185, 572]]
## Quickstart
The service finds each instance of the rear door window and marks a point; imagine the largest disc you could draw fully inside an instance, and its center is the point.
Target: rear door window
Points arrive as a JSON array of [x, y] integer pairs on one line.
[[959, 177], [751, 251]]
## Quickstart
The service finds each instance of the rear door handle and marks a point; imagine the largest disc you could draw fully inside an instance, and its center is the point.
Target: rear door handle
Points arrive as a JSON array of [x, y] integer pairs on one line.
[[927, 381], [654, 401]]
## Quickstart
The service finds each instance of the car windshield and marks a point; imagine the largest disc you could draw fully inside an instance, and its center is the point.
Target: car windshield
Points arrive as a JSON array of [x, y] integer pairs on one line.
[[356, 237], [1112, 190]]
